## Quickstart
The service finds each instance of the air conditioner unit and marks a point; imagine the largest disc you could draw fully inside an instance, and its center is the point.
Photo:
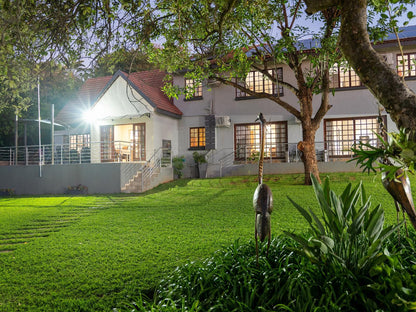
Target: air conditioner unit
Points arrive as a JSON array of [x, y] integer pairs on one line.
[[222, 121]]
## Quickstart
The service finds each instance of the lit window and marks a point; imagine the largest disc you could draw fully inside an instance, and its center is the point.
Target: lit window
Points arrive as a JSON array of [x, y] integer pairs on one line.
[[197, 138], [247, 140], [406, 65], [193, 89], [342, 134], [343, 76], [78, 141], [260, 83]]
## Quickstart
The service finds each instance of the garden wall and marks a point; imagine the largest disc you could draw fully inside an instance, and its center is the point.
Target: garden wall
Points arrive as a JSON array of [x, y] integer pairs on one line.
[[99, 178]]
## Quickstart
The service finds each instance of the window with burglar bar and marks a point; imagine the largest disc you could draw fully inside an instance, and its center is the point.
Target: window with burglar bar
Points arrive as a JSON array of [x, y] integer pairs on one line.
[[247, 140], [193, 89], [344, 133], [260, 83], [197, 138], [406, 64], [343, 76]]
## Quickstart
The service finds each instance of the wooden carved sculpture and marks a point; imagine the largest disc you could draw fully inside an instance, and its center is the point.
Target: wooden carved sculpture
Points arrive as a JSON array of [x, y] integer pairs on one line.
[[262, 199]]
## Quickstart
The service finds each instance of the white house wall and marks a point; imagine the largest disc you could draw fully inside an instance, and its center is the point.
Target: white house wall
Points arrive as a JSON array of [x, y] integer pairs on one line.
[[164, 128], [128, 102]]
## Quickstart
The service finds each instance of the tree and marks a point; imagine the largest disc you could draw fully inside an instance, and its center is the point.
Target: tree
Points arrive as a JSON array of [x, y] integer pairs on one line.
[[57, 85], [35, 32], [384, 83], [225, 40], [129, 61]]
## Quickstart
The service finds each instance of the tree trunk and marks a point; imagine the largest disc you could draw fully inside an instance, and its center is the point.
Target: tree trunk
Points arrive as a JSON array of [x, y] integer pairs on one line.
[[308, 155]]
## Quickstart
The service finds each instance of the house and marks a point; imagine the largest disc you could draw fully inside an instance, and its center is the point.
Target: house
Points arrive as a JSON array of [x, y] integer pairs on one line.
[[127, 120]]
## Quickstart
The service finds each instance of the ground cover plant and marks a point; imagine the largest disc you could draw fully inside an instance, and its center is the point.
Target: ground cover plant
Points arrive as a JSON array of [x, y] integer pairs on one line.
[[96, 253]]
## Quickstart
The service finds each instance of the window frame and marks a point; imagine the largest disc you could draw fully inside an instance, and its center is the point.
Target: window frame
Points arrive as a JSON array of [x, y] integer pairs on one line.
[[266, 83], [337, 148], [344, 71], [280, 145], [79, 141], [198, 137], [411, 65], [197, 94]]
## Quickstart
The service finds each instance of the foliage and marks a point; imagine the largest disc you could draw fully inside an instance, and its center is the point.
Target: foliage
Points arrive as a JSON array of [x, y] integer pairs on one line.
[[121, 59], [392, 155], [351, 234], [7, 192], [76, 189], [231, 280], [224, 41], [199, 158], [178, 164]]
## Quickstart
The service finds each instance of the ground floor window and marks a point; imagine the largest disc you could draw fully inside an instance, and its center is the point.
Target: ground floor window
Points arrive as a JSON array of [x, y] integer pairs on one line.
[[79, 141], [343, 133], [247, 140], [197, 138], [123, 142]]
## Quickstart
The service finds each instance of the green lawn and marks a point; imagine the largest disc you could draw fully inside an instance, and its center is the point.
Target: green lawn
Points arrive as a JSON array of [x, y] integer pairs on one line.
[[95, 253]]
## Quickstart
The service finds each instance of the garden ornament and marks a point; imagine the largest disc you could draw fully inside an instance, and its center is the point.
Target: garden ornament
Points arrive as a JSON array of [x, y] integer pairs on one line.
[[399, 189], [262, 199]]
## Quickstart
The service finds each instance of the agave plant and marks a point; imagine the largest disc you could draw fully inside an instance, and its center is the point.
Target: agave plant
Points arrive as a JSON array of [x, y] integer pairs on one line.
[[349, 232]]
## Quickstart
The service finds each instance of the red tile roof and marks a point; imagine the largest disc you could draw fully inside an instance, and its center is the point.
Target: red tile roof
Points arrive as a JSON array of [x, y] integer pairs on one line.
[[150, 84]]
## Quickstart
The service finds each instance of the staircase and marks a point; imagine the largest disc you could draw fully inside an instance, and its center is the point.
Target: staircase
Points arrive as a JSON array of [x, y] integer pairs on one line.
[[148, 176]]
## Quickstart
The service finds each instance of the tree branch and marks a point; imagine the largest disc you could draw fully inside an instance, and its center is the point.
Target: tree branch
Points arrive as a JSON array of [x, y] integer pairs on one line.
[[313, 6]]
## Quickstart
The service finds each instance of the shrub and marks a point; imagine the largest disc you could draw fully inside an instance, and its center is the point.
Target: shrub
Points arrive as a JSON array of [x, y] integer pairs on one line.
[[178, 164]]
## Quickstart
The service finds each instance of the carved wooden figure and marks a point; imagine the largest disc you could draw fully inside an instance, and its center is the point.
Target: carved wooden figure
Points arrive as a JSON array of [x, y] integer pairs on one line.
[[262, 199]]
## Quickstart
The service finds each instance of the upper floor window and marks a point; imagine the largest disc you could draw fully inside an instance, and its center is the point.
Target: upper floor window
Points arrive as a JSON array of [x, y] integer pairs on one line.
[[343, 76], [406, 65], [260, 83], [193, 89], [197, 138]]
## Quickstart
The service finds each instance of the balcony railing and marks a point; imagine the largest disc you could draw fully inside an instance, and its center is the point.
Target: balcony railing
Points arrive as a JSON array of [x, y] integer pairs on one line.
[[116, 151], [123, 151]]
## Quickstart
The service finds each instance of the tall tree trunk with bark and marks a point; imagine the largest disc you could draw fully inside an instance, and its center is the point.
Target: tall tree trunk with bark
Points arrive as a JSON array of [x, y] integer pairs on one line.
[[307, 147]]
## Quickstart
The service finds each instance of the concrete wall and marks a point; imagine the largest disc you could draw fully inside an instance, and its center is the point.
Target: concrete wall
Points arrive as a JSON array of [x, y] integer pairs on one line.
[[99, 178], [289, 168]]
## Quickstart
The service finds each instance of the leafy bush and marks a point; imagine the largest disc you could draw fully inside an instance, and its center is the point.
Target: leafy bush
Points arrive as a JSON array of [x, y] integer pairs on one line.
[[350, 235], [178, 164]]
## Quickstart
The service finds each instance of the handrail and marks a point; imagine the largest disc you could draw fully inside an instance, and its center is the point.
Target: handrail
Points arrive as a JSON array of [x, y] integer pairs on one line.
[[153, 165]]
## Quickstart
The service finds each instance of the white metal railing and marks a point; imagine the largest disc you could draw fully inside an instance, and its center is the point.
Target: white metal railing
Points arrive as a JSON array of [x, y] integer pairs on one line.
[[287, 152], [161, 157], [70, 153]]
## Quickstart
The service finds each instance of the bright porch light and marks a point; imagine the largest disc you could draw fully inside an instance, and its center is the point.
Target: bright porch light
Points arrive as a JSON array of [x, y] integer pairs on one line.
[[89, 116]]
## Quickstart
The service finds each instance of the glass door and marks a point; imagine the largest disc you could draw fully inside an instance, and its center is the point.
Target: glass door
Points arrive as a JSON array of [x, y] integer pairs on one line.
[[139, 142], [107, 143]]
